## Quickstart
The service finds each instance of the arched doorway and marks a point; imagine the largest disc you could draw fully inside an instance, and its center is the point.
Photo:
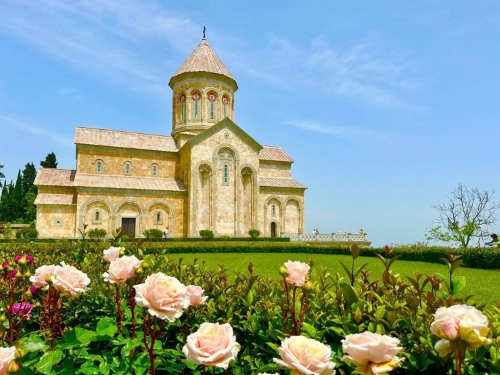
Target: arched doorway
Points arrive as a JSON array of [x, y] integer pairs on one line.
[[273, 229]]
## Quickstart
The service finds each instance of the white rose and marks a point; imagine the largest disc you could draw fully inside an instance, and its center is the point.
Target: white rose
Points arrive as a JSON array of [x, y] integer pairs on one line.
[[6, 357], [164, 296], [305, 356], [42, 273], [212, 345], [69, 281], [122, 269], [112, 253], [372, 353]]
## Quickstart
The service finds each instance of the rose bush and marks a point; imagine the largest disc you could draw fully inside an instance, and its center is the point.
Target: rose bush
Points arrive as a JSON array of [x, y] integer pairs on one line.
[[297, 273], [112, 253], [69, 281], [42, 274], [195, 294]]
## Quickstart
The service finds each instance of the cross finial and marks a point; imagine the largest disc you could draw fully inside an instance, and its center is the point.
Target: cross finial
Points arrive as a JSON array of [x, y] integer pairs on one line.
[[204, 29]]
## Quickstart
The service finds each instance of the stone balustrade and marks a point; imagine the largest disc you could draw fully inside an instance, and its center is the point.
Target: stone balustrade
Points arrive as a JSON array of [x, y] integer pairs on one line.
[[330, 237]]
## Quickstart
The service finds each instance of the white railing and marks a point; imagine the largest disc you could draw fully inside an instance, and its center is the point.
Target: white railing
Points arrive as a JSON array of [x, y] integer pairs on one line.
[[333, 237]]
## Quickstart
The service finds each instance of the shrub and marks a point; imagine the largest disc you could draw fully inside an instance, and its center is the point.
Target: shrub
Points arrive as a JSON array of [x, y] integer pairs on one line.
[[254, 233], [97, 233], [27, 233], [225, 238], [7, 231], [206, 235], [153, 233]]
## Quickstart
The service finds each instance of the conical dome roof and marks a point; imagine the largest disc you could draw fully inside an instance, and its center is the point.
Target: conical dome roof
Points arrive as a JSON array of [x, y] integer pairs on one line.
[[203, 59]]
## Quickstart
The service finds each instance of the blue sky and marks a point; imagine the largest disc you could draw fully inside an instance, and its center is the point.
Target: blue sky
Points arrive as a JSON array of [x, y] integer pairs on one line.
[[385, 106]]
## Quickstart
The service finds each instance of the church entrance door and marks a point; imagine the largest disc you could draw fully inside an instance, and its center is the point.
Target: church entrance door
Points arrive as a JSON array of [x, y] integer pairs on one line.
[[128, 226], [273, 229]]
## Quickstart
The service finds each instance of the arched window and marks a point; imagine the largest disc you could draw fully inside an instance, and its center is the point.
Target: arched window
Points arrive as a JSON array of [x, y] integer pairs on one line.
[[97, 216], [225, 174], [127, 168], [154, 170], [196, 105], [98, 167], [224, 106], [211, 98], [273, 210], [183, 107], [159, 217]]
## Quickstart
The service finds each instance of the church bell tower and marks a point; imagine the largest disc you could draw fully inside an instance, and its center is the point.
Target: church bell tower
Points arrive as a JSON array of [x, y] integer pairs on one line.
[[202, 93]]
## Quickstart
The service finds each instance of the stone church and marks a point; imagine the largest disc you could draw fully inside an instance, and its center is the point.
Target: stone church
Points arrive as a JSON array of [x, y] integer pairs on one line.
[[209, 174]]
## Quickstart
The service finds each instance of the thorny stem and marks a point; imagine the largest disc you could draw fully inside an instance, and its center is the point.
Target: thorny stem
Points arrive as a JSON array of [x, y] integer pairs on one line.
[[118, 307], [293, 311]]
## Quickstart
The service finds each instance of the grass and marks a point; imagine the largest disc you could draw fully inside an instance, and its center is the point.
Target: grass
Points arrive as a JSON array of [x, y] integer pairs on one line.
[[482, 284]]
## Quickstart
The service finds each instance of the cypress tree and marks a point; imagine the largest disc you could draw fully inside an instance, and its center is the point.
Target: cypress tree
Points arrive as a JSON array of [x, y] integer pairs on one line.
[[29, 174], [50, 161]]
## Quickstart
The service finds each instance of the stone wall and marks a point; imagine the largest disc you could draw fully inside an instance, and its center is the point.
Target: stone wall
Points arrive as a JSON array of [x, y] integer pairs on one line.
[[275, 169], [56, 221], [114, 159], [288, 214]]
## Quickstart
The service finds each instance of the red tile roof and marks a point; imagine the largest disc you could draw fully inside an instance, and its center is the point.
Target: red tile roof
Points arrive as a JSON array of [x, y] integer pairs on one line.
[[274, 153], [55, 177], [280, 182], [203, 59], [122, 139]]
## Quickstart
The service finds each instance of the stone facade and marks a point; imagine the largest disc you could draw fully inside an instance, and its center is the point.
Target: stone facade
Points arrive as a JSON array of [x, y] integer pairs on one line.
[[209, 174]]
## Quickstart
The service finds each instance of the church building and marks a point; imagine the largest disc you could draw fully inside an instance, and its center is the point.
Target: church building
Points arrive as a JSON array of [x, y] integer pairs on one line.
[[208, 174]]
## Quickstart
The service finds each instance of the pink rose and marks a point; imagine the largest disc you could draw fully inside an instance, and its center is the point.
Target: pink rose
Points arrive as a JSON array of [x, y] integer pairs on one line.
[[195, 294], [112, 253], [70, 281], [297, 273], [305, 356], [6, 357], [42, 273], [450, 327], [122, 269], [164, 296], [212, 345], [372, 353]]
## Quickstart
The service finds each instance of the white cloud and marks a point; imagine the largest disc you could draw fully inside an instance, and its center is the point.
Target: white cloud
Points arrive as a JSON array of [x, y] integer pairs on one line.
[[16, 123], [353, 133]]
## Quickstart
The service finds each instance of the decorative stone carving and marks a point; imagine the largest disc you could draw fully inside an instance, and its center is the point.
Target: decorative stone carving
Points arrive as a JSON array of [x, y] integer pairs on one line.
[[246, 171], [226, 156], [204, 168]]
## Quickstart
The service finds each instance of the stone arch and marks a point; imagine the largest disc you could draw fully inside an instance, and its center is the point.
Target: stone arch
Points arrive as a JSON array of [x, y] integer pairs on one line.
[[228, 146], [293, 214], [87, 214], [268, 214], [126, 211], [168, 215], [248, 193]]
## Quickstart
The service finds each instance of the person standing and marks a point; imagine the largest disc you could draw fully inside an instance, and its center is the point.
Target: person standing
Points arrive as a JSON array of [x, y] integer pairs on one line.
[[165, 232]]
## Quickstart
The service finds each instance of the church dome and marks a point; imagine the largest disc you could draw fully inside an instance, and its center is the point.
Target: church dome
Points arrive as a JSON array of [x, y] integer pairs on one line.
[[204, 60]]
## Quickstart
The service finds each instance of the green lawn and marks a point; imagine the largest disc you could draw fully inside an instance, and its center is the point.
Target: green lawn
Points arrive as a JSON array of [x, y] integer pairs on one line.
[[482, 284]]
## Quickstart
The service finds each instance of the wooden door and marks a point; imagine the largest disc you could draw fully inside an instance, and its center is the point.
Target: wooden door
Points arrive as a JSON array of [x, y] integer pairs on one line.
[[128, 226], [273, 229]]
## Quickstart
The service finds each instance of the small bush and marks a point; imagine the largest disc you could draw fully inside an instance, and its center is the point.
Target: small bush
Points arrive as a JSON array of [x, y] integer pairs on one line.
[[97, 233], [27, 233], [206, 235], [153, 233], [254, 233], [225, 238], [7, 231]]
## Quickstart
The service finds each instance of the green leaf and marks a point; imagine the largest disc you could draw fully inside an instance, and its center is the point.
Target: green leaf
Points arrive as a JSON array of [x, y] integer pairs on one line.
[[78, 337], [106, 327], [457, 284], [48, 361], [33, 343], [104, 368], [273, 346], [380, 312], [355, 251], [309, 330], [249, 299], [350, 294], [455, 265]]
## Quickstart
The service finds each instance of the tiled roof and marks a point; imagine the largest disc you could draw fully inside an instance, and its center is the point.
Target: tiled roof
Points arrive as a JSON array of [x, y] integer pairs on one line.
[[117, 138], [54, 177], [280, 182], [274, 153], [126, 182], [203, 59], [59, 199]]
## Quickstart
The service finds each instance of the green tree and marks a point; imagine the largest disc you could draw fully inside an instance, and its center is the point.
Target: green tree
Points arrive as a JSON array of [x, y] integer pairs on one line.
[[467, 215], [17, 208], [4, 203], [1, 174], [29, 174], [50, 161], [29, 206]]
